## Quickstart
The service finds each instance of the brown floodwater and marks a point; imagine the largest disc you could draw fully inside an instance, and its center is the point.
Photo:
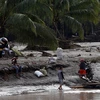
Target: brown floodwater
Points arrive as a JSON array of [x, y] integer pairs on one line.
[[55, 95]]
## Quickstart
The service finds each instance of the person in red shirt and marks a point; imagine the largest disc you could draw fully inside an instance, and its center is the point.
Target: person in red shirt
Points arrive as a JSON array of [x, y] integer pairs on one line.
[[82, 71], [82, 66], [16, 66]]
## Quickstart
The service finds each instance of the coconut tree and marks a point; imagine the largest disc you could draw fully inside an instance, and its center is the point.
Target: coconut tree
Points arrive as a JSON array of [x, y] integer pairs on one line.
[[70, 14], [86, 11], [79, 12], [16, 17]]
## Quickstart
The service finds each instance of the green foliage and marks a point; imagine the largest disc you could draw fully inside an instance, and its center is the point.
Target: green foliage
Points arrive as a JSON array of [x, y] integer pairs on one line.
[[17, 17], [85, 10], [28, 19], [75, 25], [35, 18], [43, 9], [75, 13], [21, 21]]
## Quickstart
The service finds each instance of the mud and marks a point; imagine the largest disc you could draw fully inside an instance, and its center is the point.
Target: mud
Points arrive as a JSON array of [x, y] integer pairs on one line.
[[70, 63]]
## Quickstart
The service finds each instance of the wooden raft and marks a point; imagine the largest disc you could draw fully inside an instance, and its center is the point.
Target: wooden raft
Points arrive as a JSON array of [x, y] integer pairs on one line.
[[91, 85]]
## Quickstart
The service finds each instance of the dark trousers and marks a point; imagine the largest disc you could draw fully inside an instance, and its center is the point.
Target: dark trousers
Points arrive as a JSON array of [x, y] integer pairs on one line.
[[0, 54]]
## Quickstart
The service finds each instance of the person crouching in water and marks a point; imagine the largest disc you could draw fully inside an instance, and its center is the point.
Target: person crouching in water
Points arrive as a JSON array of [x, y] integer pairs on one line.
[[60, 76], [16, 66], [82, 71]]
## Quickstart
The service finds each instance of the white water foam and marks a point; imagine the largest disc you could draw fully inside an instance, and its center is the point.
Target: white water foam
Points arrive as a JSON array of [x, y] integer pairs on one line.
[[77, 91], [8, 90], [15, 90]]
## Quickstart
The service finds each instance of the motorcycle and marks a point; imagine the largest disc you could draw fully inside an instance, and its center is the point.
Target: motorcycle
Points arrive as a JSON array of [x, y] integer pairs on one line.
[[89, 71]]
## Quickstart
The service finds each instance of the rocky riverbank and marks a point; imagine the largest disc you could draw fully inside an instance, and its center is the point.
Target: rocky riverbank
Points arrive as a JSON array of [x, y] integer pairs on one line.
[[71, 57]]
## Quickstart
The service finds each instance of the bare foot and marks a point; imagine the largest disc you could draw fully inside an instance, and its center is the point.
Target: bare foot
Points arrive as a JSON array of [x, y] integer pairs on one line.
[[60, 88]]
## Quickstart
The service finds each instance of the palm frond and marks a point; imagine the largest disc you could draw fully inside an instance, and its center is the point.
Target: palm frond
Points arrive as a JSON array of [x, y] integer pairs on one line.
[[84, 15], [62, 5], [31, 32], [35, 18], [85, 10], [3, 8], [25, 6], [80, 4], [21, 21], [43, 10], [47, 36]]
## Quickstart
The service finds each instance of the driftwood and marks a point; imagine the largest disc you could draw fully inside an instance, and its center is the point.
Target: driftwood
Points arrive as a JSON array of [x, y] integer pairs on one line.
[[46, 54], [67, 44]]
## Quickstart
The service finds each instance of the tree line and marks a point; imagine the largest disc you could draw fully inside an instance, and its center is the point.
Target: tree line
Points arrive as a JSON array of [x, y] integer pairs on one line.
[[46, 22]]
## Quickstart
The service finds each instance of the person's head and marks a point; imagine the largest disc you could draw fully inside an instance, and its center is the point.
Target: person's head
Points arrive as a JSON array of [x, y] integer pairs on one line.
[[4, 40], [82, 60], [16, 56], [59, 67]]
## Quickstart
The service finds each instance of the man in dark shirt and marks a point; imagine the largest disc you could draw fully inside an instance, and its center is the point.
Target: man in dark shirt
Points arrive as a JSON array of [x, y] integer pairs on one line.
[[60, 77]]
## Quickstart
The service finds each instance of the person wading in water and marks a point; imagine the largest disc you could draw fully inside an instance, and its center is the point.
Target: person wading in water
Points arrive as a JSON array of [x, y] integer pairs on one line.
[[60, 76]]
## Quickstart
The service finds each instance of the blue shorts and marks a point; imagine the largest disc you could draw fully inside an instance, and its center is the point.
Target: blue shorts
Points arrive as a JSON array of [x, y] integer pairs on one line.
[[60, 81]]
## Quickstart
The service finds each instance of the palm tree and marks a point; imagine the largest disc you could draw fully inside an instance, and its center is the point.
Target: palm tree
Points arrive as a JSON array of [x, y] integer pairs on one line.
[[90, 13], [70, 14], [16, 17], [79, 12]]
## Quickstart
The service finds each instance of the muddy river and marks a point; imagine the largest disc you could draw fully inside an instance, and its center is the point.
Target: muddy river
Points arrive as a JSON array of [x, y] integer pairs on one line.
[[47, 93]]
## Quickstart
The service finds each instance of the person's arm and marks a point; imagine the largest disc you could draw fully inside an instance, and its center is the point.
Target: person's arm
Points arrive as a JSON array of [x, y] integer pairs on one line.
[[62, 75]]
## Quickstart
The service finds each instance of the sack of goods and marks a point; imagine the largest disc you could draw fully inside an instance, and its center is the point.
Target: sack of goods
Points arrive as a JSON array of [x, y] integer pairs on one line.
[[52, 60], [44, 71], [38, 73]]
